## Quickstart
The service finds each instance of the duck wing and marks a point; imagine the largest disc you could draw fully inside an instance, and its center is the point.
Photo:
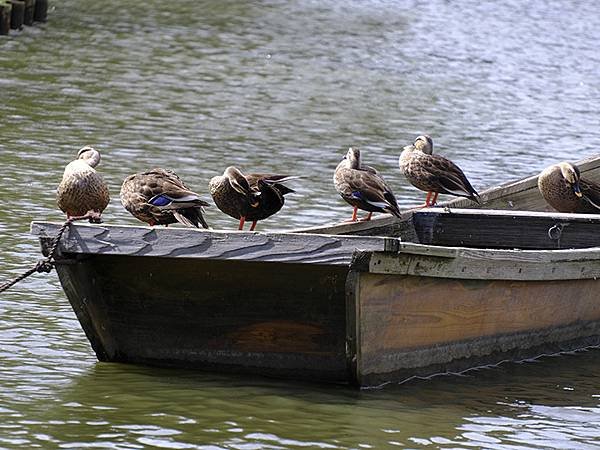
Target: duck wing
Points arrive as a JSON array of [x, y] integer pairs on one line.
[[370, 188], [273, 180], [590, 191], [448, 177], [172, 195]]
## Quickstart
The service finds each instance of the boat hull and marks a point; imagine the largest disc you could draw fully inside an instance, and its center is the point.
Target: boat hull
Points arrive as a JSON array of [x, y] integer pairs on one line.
[[251, 317], [410, 326]]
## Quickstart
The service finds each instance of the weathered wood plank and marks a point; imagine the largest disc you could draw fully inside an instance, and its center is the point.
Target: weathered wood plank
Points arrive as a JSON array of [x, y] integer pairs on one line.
[[514, 195], [216, 245], [233, 316], [417, 325], [482, 264], [506, 229]]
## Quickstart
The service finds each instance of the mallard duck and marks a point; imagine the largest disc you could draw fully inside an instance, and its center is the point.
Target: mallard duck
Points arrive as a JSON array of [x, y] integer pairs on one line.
[[82, 191], [362, 187], [563, 188], [434, 174], [159, 197], [250, 197]]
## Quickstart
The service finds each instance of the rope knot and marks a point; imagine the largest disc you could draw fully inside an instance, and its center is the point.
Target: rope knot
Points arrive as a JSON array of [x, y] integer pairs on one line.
[[44, 265]]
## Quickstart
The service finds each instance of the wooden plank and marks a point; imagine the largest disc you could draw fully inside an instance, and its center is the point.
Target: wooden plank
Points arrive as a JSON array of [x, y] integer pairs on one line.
[[506, 229], [352, 325], [233, 316], [215, 245], [482, 264], [514, 195], [411, 325]]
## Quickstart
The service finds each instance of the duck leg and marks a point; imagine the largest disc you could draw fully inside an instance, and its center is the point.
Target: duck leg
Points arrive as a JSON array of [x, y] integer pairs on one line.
[[91, 215], [253, 226], [427, 199], [242, 220], [367, 218], [354, 214], [435, 196]]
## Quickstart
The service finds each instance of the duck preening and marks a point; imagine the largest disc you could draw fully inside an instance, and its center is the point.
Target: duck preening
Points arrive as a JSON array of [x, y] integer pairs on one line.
[[82, 192], [362, 187], [159, 197], [251, 197], [434, 174], [565, 190]]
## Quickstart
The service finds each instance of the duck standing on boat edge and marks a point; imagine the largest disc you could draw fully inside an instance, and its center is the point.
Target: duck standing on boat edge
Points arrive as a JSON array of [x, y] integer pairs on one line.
[[251, 197], [434, 174], [362, 187], [159, 197], [565, 190], [82, 191]]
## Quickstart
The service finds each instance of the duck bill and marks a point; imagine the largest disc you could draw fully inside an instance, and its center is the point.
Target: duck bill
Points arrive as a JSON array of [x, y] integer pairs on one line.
[[577, 190]]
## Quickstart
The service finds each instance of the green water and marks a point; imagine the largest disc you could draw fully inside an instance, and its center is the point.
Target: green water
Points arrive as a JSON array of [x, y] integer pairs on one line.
[[504, 89]]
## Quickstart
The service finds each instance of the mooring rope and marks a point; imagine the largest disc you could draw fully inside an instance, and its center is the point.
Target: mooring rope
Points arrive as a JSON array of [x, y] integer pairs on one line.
[[46, 264]]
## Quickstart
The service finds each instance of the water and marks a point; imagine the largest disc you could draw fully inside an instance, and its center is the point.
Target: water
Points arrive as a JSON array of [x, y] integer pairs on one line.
[[503, 88]]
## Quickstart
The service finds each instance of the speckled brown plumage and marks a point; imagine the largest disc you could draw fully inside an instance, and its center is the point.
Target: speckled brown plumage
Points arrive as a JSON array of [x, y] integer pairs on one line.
[[434, 173], [560, 184], [250, 197], [82, 190], [159, 197], [362, 187]]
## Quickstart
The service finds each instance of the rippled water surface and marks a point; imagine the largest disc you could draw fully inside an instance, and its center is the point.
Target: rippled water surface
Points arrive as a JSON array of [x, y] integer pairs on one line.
[[504, 88]]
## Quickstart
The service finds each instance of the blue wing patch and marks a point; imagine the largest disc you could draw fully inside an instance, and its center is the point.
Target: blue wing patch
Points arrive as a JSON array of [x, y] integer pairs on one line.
[[357, 194], [160, 200]]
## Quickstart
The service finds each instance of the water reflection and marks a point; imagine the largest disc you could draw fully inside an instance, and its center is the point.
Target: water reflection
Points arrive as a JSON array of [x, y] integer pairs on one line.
[[511, 407]]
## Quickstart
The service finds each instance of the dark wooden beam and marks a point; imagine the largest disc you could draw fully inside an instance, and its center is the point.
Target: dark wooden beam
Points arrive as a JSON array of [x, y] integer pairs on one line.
[[203, 244], [506, 229]]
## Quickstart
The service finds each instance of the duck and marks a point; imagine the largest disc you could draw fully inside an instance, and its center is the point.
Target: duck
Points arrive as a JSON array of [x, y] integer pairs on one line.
[[159, 197], [251, 197], [362, 187], [82, 192], [565, 190], [434, 174]]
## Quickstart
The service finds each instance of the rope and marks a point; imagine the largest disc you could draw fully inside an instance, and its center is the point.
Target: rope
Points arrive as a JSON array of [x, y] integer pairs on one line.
[[46, 264]]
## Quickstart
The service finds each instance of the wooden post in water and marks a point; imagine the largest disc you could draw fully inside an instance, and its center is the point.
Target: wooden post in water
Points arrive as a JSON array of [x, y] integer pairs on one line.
[[17, 16], [5, 10], [40, 12], [29, 9]]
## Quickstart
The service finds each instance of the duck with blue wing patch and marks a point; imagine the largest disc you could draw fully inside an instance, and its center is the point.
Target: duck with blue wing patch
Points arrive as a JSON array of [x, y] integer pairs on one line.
[[362, 187], [159, 197]]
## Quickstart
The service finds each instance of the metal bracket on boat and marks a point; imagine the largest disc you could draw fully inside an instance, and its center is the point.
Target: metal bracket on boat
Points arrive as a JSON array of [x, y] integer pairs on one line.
[[555, 232], [392, 245]]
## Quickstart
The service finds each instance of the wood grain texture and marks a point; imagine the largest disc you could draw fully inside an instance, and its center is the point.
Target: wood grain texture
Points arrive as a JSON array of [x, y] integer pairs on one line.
[[215, 245], [514, 195], [409, 322], [506, 229], [231, 316], [483, 264]]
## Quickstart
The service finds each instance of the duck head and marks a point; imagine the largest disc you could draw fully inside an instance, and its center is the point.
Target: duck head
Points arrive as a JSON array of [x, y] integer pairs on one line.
[[353, 158], [89, 155], [424, 144], [571, 175]]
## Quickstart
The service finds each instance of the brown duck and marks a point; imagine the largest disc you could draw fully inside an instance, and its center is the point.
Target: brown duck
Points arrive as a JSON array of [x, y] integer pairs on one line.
[[565, 190], [82, 192], [159, 197], [362, 187], [434, 174], [251, 197]]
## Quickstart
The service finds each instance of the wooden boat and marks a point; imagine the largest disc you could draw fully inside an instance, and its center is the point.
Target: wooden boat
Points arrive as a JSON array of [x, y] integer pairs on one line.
[[440, 290]]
